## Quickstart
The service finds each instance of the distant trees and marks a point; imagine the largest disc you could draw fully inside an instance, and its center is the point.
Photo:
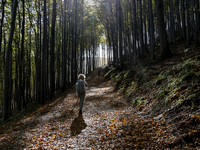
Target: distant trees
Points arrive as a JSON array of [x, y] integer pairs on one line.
[[164, 23], [48, 46]]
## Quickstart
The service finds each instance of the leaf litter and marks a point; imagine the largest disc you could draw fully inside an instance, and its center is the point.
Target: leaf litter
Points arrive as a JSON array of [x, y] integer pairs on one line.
[[108, 122]]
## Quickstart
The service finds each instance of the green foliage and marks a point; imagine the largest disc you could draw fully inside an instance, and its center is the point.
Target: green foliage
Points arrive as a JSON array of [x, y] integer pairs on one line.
[[129, 73], [161, 94], [138, 102], [173, 82], [110, 73], [131, 88], [163, 75]]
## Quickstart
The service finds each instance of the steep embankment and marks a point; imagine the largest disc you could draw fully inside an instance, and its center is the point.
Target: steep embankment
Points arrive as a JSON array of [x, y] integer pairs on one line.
[[166, 92]]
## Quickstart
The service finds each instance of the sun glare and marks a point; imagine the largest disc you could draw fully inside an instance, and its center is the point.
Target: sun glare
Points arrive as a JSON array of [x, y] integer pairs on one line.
[[89, 2]]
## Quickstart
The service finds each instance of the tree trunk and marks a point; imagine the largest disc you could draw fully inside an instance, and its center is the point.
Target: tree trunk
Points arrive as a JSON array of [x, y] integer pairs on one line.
[[165, 51], [112, 32], [145, 27], [197, 15], [183, 19], [178, 24], [134, 25], [81, 43], [72, 51], [22, 86], [75, 42], [6, 107], [116, 33], [44, 53], [172, 25], [188, 29], [64, 48], [141, 31], [193, 23], [1, 21], [52, 49], [151, 30], [120, 35]]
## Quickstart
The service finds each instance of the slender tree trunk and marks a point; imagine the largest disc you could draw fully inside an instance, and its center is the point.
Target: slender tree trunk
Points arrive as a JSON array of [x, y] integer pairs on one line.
[[10, 84], [72, 52], [1, 21], [193, 23], [197, 15], [81, 43], [29, 68], [188, 29], [17, 78], [112, 32], [20, 66], [6, 101], [75, 42], [134, 25], [69, 47], [178, 24], [183, 19], [109, 43], [141, 31], [120, 35], [116, 33], [64, 48], [44, 52], [172, 24], [22, 86], [52, 49], [145, 27], [151, 30]]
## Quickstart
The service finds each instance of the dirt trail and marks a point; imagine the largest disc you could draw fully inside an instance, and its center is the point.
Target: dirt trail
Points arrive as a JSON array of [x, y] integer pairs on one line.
[[108, 122], [54, 127]]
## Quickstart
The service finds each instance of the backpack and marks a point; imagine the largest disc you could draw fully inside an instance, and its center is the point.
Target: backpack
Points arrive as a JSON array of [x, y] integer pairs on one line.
[[80, 87]]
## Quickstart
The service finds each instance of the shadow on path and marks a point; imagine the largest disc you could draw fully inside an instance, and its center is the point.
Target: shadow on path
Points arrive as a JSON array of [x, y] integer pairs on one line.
[[78, 124]]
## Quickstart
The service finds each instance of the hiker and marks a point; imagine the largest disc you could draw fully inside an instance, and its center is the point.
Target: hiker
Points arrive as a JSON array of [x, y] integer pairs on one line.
[[81, 85]]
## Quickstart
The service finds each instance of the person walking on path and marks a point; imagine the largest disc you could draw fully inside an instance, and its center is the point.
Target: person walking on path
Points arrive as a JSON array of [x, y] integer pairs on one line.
[[81, 86]]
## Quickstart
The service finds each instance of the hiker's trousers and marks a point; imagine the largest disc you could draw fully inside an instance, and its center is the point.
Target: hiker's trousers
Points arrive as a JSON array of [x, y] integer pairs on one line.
[[82, 97]]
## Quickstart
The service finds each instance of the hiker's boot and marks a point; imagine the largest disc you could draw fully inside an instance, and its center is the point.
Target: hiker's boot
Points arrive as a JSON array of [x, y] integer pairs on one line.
[[80, 111]]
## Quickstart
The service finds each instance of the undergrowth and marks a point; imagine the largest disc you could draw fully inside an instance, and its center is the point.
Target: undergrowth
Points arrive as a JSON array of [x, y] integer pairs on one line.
[[172, 86]]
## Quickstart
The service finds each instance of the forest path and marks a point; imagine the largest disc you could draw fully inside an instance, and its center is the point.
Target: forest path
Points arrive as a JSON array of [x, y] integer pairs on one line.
[[108, 122], [55, 126]]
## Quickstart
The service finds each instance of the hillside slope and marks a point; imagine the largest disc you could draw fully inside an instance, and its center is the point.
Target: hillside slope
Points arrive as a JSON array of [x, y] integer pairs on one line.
[[166, 92]]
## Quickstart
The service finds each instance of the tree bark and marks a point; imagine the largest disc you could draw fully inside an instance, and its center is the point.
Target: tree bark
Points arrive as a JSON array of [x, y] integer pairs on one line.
[[188, 29], [141, 31], [52, 51], [172, 24], [197, 15], [64, 48], [183, 19], [165, 51], [1, 21], [178, 24], [151, 30], [44, 53], [6, 100], [134, 25], [22, 68], [120, 35]]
